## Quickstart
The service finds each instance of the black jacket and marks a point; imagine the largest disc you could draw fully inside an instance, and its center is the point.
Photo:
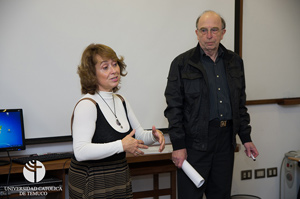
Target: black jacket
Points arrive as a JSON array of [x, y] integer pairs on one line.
[[187, 95]]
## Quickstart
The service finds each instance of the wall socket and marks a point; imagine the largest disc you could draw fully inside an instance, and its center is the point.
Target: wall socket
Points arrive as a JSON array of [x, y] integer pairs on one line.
[[272, 172], [259, 173], [246, 175]]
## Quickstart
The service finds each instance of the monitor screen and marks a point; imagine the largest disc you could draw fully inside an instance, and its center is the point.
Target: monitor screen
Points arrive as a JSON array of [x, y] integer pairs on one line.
[[12, 135]]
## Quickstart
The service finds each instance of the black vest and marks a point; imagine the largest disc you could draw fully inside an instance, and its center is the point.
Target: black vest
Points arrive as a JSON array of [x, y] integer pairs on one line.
[[104, 133]]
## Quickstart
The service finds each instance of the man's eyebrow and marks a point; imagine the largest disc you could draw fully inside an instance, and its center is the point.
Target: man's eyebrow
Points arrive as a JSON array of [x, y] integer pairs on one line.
[[207, 28]]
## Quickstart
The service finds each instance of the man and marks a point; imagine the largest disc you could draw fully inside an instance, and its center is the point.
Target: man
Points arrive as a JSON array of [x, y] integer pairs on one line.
[[206, 100]]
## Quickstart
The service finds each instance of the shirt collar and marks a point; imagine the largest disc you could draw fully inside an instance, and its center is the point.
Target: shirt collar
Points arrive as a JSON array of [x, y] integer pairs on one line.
[[220, 52]]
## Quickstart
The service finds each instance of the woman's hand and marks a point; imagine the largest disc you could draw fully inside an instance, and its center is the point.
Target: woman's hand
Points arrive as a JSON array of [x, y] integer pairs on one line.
[[132, 145], [159, 136]]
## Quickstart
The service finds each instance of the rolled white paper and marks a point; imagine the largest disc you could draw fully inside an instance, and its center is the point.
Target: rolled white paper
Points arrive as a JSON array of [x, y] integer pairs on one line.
[[192, 174]]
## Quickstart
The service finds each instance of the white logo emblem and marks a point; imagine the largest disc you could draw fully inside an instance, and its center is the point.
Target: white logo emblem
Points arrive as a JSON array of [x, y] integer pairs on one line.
[[34, 171]]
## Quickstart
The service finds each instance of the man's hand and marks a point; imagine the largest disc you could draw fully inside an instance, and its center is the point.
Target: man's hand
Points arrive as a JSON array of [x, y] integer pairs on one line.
[[250, 149], [178, 157]]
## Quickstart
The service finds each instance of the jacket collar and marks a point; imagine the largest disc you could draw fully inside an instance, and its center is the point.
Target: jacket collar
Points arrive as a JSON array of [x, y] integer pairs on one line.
[[195, 57]]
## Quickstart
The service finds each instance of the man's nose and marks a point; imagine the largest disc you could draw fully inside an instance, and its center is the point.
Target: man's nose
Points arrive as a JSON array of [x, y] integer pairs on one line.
[[209, 34]]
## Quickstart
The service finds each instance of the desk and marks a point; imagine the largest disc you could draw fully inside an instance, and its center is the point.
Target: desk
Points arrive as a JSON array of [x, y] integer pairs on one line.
[[153, 164], [142, 165]]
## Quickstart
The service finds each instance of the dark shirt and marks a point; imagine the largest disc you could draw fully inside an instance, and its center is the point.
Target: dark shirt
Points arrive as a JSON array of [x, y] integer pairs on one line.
[[219, 96]]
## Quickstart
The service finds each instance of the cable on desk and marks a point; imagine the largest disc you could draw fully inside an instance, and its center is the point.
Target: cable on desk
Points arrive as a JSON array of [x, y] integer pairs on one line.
[[8, 176]]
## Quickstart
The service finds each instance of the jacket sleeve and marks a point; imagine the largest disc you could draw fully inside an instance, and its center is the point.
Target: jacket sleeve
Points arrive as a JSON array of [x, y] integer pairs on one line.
[[245, 128], [174, 110]]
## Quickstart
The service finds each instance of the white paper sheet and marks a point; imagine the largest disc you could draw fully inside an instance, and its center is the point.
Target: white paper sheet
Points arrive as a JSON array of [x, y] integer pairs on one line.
[[192, 174]]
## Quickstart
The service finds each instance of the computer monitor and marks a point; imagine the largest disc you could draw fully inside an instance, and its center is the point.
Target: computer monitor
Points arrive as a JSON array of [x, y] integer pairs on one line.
[[12, 133]]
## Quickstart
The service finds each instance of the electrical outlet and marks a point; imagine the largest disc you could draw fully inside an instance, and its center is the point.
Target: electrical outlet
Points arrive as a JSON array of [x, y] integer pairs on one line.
[[246, 175], [260, 173], [272, 172]]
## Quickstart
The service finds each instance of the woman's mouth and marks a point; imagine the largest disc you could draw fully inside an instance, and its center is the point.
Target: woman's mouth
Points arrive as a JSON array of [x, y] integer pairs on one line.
[[115, 79]]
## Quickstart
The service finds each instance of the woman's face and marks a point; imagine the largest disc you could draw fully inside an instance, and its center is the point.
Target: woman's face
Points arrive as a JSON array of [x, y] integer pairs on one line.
[[107, 73]]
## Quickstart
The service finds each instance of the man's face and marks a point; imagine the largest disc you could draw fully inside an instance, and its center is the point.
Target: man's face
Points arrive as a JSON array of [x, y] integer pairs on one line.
[[209, 32]]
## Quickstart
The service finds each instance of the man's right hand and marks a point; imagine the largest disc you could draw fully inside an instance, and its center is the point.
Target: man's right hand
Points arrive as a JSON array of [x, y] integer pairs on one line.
[[178, 157]]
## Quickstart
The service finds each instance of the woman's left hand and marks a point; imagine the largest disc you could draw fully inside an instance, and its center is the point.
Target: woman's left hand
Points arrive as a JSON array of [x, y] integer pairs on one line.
[[159, 136]]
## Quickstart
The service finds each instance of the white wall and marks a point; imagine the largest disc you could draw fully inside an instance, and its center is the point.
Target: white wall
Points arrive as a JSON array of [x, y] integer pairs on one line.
[[271, 47], [42, 42], [276, 130]]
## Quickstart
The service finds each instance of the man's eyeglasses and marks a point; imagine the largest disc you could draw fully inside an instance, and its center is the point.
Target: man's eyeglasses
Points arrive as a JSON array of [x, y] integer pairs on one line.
[[204, 31]]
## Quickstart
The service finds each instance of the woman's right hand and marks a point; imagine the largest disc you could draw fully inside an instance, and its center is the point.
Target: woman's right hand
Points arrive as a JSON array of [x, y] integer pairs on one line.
[[132, 145]]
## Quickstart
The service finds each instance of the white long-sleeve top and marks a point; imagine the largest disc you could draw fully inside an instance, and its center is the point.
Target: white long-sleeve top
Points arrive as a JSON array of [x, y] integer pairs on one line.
[[84, 124]]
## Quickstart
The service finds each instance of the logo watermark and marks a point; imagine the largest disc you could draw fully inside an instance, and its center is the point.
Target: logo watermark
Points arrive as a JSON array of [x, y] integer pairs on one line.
[[34, 171], [30, 190]]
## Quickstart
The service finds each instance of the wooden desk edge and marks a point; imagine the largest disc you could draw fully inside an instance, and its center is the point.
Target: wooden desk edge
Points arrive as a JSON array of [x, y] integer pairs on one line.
[[49, 165], [65, 163], [148, 157]]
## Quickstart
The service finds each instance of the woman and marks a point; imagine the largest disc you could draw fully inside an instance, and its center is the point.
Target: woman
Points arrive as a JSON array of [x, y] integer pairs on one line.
[[104, 128]]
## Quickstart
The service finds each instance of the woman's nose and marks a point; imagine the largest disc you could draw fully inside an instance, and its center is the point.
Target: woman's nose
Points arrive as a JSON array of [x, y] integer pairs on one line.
[[112, 69]]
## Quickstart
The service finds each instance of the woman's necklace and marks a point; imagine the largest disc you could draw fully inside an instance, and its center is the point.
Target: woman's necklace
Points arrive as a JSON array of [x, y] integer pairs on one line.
[[113, 112]]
